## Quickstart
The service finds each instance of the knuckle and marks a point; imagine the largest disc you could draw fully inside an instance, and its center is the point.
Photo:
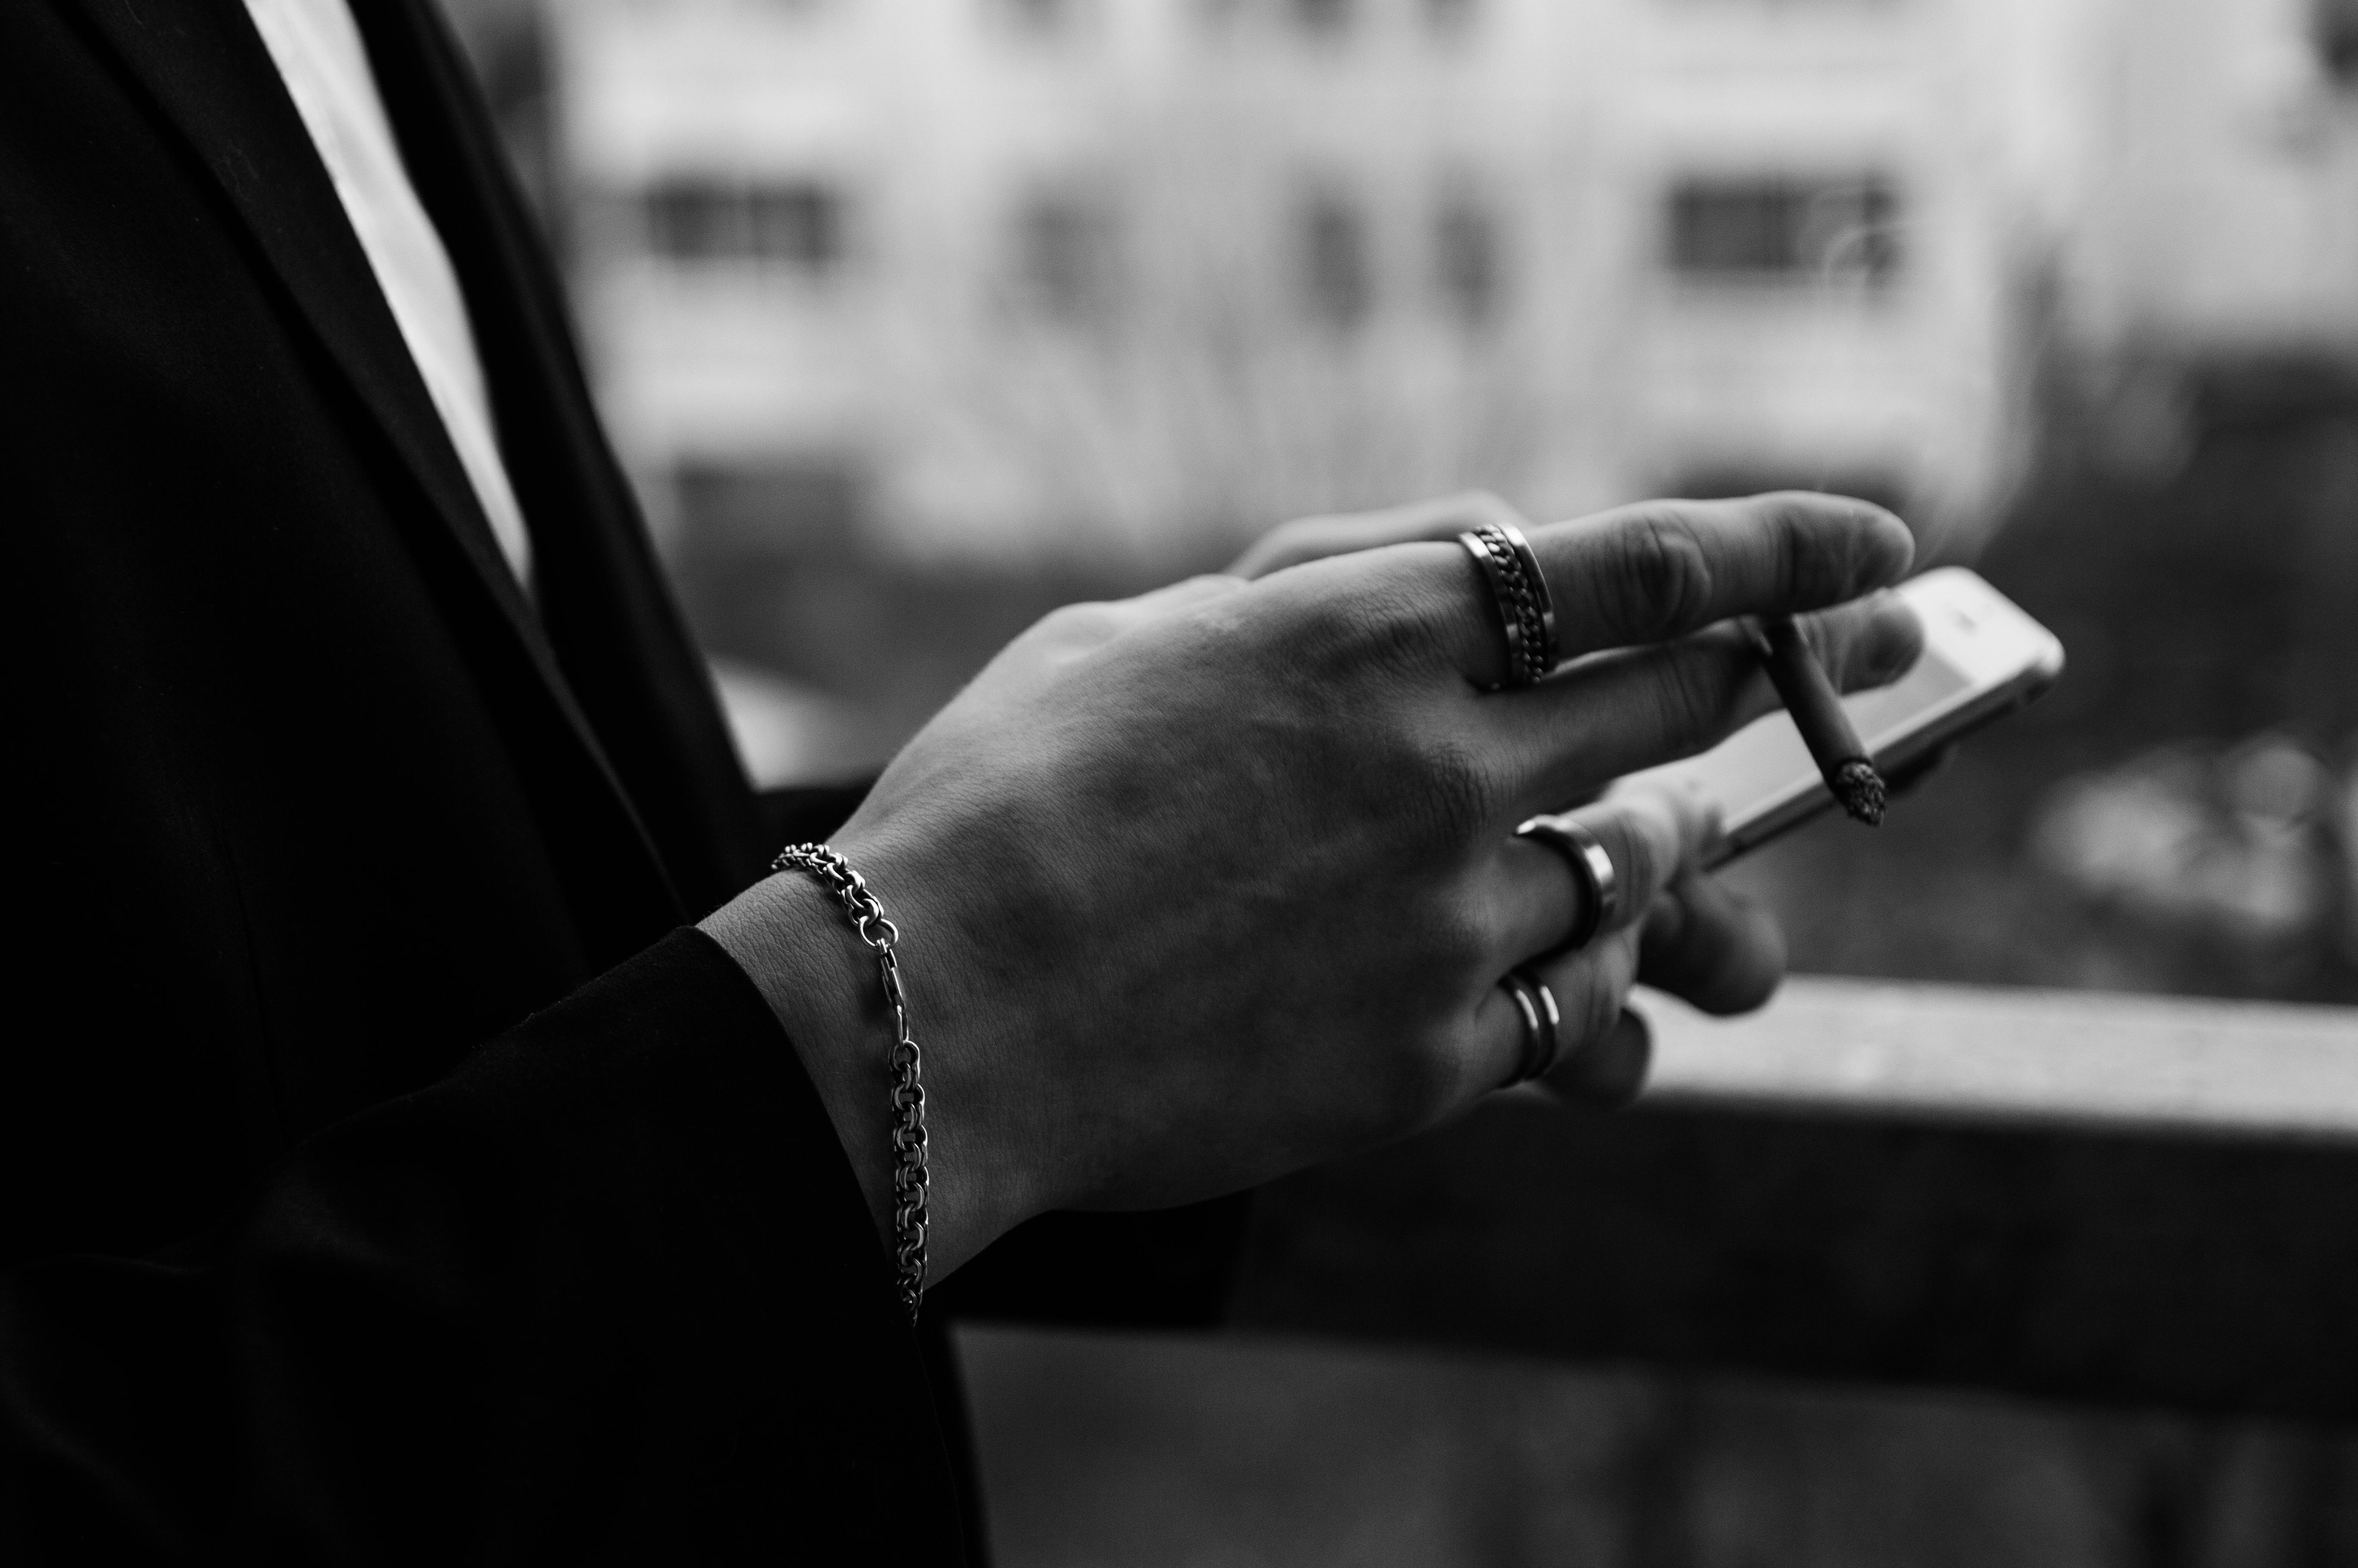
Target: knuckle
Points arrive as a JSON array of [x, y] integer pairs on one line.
[[1083, 625], [1435, 791], [1462, 937], [1427, 1068], [1418, 1082], [1664, 576], [1820, 553], [1390, 622], [1457, 784], [1693, 697]]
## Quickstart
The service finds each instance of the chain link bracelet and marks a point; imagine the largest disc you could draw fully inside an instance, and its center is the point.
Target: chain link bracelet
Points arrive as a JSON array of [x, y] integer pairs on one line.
[[867, 922]]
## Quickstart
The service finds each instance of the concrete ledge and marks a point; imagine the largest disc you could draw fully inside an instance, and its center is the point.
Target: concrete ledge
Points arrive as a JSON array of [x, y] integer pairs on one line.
[[2029, 1058], [2094, 1199]]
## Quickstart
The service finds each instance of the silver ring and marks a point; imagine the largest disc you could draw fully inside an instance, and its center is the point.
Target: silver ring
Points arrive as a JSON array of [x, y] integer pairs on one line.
[[1542, 1024], [1546, 651], [1526, 611], [1591, 867]]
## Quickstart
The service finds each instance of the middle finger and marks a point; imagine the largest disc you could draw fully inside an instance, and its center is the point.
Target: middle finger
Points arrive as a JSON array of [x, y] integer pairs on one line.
[[1623, 712], [1662, 570]]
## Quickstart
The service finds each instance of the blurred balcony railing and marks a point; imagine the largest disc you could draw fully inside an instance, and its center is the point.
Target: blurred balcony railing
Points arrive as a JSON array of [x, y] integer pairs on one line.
[[2057, 1059], [2083, 1198]]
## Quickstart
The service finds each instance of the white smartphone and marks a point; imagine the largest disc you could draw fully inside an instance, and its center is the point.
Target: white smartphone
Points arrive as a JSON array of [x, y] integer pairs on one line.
[[1984, 657]]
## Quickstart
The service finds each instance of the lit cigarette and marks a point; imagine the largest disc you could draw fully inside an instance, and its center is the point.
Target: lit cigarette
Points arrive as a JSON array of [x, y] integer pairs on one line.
[[1842, 757]]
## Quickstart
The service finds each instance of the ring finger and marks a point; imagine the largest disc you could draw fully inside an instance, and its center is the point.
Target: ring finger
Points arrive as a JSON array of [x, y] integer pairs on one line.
[[1553, 889]]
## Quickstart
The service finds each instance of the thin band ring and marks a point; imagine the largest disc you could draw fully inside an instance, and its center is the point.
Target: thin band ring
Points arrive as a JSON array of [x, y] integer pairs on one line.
[[1591, 867], [1526, 611], [1542, 1023]]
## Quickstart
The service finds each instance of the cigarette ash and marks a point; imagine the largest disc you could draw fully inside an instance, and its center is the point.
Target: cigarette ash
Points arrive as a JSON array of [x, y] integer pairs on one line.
[[1860, 790]]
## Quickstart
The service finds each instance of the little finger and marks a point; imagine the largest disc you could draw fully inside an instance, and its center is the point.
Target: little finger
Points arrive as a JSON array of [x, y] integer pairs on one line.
[[1611, 1072], [1605, 1047]]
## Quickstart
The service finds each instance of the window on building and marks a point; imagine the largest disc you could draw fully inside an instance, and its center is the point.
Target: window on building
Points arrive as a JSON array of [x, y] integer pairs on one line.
[[2337, 39], [1843, 230], [1064, 244], [1326, 19], [1216, 16], [793, 223], [1337, 274], [748, 529], [1466, 256], [766, 506], [800, 225], [1043, 18], [694, 221], [1451, 18]]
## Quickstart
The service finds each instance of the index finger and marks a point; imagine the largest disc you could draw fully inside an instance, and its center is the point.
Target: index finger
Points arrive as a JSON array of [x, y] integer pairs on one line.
[[1661, 569]]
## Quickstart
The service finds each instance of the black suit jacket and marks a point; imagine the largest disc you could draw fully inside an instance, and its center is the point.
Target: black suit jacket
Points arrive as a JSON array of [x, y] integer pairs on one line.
[[304, 800]]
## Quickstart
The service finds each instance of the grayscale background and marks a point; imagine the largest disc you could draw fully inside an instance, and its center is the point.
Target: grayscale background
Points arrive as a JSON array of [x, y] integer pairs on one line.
[[916, 317]]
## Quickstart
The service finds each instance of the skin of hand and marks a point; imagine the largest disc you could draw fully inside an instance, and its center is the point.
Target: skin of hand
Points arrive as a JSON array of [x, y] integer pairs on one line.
[[1200, 887]]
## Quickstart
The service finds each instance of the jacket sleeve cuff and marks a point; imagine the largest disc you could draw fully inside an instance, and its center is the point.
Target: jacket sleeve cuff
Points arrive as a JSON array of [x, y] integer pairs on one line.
[[609, 1292]]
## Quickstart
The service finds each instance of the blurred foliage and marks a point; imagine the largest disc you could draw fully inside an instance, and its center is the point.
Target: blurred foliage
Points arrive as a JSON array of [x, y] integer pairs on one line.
[[2206, 586]]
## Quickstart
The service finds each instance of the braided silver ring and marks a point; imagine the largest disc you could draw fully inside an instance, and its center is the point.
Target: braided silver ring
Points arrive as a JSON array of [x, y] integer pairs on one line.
[[1542, 1024], [1591, 867], [1525, 610]]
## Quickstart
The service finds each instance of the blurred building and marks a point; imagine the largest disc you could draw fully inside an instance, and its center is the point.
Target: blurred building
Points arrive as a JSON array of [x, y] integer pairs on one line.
[[1001, 277], [2215, 205]]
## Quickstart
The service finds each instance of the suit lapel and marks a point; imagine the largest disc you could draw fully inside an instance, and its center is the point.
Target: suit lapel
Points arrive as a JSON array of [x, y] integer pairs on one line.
[[213, 79], [605, 603], [209, 73]]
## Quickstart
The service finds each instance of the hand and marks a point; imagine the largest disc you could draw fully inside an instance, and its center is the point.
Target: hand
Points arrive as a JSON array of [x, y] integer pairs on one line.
[[1203, 886], [1695, 938]]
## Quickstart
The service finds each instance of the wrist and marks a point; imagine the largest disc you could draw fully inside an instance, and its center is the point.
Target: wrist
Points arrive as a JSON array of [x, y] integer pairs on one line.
[[790, 936]]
